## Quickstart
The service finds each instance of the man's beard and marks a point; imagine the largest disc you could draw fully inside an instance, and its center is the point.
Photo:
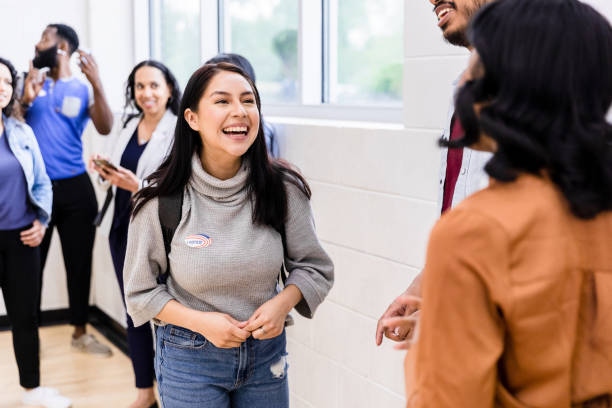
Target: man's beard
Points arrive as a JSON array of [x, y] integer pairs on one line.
[[459, 37], [46, 58]]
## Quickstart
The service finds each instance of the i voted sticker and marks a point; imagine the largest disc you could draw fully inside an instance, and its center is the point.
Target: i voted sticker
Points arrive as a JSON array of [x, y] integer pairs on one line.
[[198, 241]]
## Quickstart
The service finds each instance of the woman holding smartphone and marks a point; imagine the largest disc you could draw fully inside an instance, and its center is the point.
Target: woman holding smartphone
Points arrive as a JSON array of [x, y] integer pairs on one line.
[[137, 150], [25, 210], [220, 319]]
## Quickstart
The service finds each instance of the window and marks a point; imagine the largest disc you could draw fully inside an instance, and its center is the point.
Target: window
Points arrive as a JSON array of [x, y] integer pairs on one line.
[[175, 35], [331, 59], [365, 52], [266, 33]]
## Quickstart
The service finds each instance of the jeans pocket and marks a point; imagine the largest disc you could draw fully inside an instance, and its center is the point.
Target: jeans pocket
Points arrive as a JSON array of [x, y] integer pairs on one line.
[[181, 338]]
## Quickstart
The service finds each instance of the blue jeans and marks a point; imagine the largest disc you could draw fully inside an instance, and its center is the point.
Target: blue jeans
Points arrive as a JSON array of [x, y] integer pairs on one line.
[[192, 372]]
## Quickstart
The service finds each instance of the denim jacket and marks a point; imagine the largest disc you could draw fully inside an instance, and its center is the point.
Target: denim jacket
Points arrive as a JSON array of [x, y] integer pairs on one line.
[[472, 176], [23, 144]]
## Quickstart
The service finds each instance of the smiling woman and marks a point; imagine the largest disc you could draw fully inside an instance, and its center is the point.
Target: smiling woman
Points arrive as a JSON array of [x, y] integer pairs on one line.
[[139, 145], [243, 216], [528, 257], [228, 122]]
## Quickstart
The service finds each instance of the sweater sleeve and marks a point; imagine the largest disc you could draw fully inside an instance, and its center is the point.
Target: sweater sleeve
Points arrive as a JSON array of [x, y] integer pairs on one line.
[[461, 331], [308, 265], [145, 260]]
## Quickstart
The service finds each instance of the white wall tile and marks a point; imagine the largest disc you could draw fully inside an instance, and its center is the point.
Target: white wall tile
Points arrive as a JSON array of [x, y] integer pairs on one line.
[[302, 331], [388, 226], [388, 367], [428, 88], [354, 390], [348, 338], [358, 392], [107, 295], [297, 402], [115, 62], [403, 162], [312, 377], [335, 328], [366, 283], [54, 288]]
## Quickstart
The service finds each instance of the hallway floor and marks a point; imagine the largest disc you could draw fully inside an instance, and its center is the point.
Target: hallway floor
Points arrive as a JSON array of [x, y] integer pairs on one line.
[[89, 381]]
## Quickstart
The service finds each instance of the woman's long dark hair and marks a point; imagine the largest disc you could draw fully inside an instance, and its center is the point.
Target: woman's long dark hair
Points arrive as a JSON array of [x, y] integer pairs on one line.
[[546, 89], [8, 109], [265, 181], [130, 101]]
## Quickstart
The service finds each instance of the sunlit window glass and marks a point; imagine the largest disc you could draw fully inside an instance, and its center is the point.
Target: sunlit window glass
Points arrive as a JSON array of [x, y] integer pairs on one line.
[[266, 33], [177, 43], [366, 52]]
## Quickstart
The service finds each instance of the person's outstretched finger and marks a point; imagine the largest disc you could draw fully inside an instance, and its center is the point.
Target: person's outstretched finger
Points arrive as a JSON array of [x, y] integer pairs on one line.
[[395, 309]]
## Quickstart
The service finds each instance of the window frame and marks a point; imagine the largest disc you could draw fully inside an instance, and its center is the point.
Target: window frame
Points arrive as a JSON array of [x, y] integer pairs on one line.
[[315, 59]]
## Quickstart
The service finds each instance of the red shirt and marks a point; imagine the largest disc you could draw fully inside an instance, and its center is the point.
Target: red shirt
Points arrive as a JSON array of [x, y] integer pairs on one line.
[[453, 165]]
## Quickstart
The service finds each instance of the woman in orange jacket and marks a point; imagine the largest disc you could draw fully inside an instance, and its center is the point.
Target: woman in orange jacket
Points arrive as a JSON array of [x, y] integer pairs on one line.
[[516, 307]]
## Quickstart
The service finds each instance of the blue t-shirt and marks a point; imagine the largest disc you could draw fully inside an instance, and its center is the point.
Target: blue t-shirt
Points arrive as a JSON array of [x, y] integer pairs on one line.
[[16, 211], [58, 116]]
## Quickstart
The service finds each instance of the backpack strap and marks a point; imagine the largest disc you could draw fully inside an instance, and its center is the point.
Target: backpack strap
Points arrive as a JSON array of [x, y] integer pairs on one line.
[[100, 216], [283, 273], [169, 212], [282, 277]]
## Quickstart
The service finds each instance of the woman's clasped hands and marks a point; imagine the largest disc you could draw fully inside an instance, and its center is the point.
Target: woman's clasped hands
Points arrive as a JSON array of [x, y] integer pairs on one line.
[[267, 322]]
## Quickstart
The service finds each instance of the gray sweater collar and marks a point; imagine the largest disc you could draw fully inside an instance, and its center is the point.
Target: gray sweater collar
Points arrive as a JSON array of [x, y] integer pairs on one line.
[[230, 190]]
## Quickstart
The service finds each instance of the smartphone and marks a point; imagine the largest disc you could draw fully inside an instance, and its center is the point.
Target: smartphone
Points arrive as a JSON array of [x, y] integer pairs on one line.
[[105, 163], [41, 72], [83, 58]]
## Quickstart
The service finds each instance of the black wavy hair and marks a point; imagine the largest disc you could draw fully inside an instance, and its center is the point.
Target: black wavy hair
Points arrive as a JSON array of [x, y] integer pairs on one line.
[[9, 109], [67, 33], [265, 181], [546, 89], [175, 90], [235, 59]]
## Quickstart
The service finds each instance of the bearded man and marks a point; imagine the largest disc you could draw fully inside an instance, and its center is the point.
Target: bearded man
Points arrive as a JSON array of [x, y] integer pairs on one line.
[[57, 107], [461, 170]]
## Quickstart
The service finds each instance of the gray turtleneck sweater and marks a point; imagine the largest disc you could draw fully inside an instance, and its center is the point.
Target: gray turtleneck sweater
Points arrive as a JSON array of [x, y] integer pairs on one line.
[[220, 261]]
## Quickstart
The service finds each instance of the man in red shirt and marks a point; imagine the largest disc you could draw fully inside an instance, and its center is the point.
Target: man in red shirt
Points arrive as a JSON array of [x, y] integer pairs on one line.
[[462, 170]]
